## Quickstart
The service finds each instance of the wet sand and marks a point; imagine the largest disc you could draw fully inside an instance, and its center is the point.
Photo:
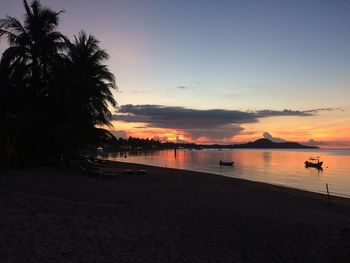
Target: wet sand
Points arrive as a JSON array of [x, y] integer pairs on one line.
[[166, 215]]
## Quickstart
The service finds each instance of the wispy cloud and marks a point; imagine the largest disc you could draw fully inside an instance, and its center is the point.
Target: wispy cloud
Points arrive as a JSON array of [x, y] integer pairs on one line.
[[182, 87], [276, 113], [324, 109]]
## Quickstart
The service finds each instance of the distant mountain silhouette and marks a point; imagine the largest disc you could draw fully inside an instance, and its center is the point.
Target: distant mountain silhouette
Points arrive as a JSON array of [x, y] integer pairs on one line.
[[265, 143]]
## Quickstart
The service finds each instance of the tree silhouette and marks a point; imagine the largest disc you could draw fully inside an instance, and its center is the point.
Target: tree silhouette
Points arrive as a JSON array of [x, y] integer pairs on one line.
[[55, 95]]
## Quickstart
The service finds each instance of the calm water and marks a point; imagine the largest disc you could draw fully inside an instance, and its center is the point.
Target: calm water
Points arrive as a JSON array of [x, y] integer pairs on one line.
[[280, 167]]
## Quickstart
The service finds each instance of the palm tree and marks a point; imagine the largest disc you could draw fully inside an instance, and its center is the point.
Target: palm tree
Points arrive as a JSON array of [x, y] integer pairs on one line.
[[83, 86], [55, 95], [35, 44], [27, 64], [90, 87], [92, 79]]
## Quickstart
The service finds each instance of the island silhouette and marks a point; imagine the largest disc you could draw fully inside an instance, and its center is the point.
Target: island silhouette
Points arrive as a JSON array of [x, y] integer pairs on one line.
[[268, 144]]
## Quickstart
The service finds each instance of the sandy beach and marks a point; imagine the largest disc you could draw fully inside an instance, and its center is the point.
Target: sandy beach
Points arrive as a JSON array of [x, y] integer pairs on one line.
[[167, 215]]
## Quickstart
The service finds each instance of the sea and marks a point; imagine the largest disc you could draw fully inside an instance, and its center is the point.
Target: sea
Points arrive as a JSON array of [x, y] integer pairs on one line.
[[284, 167]]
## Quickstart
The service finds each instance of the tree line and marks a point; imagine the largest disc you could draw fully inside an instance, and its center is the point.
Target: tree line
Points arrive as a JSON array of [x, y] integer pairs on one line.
[[55, 93], [132, 143]]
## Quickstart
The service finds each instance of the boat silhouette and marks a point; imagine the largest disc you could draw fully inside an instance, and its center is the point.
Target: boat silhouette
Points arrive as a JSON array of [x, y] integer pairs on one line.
[[314, 162]]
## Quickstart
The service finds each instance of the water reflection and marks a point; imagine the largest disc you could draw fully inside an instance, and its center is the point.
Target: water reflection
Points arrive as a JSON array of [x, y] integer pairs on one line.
[[267, 157], [318, 168], [282, 167]]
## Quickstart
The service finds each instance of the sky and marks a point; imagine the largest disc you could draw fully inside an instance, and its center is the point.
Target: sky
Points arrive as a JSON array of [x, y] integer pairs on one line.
[[221, 71]]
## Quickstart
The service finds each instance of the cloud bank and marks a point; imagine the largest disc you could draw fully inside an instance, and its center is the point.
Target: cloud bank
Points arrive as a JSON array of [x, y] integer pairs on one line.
[[215, 124]]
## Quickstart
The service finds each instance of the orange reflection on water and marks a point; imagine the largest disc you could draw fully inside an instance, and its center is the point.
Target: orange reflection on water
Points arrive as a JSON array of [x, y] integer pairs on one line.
[[282, 167]]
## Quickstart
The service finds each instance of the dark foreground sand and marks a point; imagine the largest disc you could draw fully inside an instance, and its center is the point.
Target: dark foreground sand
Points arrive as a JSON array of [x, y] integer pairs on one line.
[[53, 215]]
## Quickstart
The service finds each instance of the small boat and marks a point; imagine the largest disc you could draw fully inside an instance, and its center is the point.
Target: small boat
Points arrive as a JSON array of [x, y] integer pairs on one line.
[[314, 162], [226, 163]]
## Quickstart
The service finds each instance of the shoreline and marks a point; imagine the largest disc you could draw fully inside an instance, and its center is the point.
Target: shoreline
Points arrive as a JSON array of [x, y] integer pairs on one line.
[[324, 193], [166, 215], [118, 166]]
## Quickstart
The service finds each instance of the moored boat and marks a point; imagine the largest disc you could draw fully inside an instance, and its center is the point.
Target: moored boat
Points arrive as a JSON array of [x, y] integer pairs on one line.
[[314, 162], [226, 163]]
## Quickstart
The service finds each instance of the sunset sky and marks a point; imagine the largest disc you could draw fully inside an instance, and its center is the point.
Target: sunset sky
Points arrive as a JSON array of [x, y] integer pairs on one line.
[[221, 71]]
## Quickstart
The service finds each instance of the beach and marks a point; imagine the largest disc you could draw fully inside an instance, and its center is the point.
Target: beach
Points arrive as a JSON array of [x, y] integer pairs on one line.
[[166, 215]]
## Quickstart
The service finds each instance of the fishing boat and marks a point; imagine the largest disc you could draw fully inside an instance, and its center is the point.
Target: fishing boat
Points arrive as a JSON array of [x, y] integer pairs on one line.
[[226, 163], [314, 162]]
